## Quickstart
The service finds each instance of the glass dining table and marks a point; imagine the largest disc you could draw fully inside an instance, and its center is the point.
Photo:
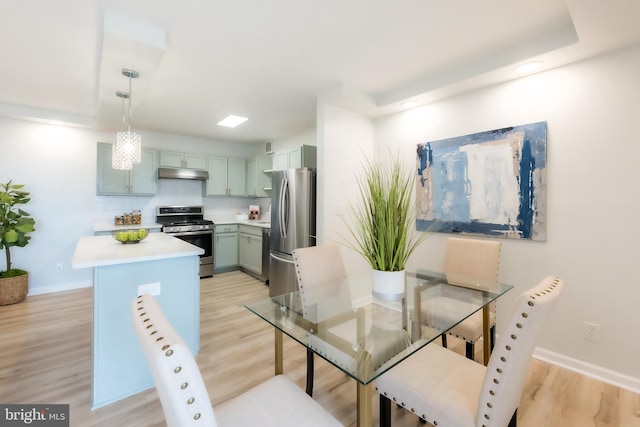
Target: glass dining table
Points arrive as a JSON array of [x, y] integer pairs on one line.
[[365, 336]]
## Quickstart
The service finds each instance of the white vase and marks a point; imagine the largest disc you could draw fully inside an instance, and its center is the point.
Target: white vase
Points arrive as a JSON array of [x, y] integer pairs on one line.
[[388, 285]]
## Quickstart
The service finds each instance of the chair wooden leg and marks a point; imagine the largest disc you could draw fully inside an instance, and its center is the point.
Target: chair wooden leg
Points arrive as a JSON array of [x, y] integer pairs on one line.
[[470, 350], [512, 423], [385, 411], [309, 372], [444, 340]]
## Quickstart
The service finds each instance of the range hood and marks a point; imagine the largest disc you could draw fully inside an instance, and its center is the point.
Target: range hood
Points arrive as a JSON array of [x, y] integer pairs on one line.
[[182, 173]]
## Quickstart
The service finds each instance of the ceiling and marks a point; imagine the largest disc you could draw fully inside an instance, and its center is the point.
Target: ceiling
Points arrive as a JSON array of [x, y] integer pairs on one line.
[[271, 60]]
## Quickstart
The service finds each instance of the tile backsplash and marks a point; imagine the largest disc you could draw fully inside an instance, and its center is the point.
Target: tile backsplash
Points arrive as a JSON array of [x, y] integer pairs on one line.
[[177, 192]]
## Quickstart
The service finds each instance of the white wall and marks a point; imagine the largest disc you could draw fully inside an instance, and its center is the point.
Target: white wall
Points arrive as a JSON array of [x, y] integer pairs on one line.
[[591, 109], [344, 139], [58, 166], [307, 137]]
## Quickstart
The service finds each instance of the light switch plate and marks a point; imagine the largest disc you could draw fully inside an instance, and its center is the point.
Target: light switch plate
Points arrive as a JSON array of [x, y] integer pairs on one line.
[[149, 288]]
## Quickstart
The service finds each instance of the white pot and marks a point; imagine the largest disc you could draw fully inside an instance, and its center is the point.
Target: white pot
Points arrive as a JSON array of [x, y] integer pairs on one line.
[[388, 285]]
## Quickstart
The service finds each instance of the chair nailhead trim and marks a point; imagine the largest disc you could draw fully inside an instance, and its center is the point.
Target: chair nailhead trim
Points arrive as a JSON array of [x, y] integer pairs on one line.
[[508, 347], [190, 401], [149, 326], [525, 315], [178, 369], [168, 353], [492, 393], [513, 337], [519, 325], [196, 416], [489, 405], [499, 370], [184, 385], [164, 347], [530, 303], [487, 416], [495, 381]]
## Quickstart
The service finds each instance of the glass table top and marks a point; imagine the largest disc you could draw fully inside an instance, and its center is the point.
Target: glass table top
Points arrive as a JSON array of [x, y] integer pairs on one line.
[[365, 336]]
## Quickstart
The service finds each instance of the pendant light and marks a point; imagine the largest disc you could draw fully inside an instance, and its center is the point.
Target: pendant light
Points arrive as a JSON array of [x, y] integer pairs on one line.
[[127, 150]]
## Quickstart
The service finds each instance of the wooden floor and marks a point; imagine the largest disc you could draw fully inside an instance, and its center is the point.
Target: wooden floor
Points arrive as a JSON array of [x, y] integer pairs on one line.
[[46, 358]]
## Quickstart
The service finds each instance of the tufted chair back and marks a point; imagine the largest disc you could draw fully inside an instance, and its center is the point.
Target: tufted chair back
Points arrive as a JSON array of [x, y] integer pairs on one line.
[[472, 262], [183, 395], [504, 378], [319, 270]]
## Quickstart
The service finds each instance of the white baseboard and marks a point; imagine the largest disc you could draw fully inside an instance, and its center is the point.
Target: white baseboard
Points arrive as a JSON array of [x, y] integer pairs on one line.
[[602, 374], [60, 288]]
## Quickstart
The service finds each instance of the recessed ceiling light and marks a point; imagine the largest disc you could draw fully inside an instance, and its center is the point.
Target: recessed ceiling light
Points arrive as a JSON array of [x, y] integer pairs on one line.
[[232, 121], [529, 67], [409, 104]]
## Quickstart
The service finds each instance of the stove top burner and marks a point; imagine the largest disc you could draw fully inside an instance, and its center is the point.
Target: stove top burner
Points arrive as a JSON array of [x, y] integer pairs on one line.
[[180, 219], [189, 222]]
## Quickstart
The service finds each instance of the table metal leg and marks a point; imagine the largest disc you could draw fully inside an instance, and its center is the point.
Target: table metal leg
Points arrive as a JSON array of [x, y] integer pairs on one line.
[[365, 406], [486, 334], [279, 351]]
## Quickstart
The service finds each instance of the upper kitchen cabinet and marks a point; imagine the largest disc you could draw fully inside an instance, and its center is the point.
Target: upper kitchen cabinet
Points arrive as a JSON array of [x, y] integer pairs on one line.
[[259, 176], [299, 157], [175, 159], [141, 180], [227, 177]]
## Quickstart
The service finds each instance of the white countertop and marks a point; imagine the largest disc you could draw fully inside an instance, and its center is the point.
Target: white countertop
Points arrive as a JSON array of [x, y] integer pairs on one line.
[[101, 226], [256, 223], [95, 251]]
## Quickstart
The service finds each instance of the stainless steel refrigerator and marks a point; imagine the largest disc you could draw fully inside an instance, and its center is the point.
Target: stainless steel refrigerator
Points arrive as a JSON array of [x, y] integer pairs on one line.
[[293, 224]]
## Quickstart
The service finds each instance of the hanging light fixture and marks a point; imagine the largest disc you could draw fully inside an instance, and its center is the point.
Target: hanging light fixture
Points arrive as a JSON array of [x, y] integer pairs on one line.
[[127, 150]]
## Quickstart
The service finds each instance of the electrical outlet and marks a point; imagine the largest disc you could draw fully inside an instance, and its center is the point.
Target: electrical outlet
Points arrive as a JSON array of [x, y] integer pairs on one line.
[[591, 331], [59, 267], [149, 288]]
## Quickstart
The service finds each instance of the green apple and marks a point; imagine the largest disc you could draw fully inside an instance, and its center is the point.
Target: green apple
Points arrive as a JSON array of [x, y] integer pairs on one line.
[[133, 235], [122, 236], [142, 233]]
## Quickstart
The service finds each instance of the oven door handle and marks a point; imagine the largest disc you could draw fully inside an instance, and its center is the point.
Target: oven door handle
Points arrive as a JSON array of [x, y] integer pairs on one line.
[[191, 233]]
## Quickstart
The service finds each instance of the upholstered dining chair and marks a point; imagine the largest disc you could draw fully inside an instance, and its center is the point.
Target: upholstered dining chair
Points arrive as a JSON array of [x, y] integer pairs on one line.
[[320, 273], [447, 389], [472, 263], [185, 402]]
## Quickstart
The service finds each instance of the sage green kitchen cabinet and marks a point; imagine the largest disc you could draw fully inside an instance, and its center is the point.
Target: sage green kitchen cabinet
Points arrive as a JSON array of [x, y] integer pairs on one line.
[[259, 181], [304, 156], [225, 248], [175, 159], [227, 177], [141, 180], [250, 248]]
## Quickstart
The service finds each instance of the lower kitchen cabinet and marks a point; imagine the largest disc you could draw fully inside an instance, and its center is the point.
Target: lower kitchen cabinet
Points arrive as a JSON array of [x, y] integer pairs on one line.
[[250, 249], [225, 248]]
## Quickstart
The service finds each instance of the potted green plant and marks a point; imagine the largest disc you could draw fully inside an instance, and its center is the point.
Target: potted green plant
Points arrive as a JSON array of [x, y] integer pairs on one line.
[[15, 226], [382, 223]]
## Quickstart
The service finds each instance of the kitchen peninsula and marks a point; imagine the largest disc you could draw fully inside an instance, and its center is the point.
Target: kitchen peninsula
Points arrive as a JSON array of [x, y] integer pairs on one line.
[[162, 265]]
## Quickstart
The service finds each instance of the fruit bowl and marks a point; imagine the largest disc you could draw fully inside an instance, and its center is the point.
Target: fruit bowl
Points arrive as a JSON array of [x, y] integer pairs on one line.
[[130, 236]]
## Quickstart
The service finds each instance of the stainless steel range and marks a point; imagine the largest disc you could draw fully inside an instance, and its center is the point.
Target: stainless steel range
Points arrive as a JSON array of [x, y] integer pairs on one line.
[[188, 223]]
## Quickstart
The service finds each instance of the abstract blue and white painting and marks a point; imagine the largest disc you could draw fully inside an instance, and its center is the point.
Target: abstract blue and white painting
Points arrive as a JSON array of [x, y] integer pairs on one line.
[[490, 183]]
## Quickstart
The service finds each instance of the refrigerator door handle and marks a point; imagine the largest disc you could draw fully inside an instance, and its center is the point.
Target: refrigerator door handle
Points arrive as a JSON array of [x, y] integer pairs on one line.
[[288, 261], [283, 209]]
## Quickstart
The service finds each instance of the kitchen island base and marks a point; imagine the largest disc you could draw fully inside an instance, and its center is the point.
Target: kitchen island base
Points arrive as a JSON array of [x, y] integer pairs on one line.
[[162, 265]]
